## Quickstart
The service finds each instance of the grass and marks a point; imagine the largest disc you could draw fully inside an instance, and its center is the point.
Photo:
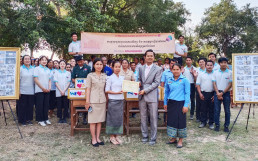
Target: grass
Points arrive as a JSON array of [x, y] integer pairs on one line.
[[54, 143]]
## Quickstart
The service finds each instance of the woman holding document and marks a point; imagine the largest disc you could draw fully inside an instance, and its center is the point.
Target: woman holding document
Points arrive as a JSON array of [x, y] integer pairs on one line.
[[114, 125]]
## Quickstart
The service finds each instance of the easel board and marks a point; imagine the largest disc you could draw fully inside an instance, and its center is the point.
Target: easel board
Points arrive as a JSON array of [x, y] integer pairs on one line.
[[9, 73], [245, 77]]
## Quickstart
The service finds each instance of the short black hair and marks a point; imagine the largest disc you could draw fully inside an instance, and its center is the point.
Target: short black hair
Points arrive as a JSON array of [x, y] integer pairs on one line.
[[180, 36], [176, 65], [113, 65], [213, 54], [189, 57], [149, 50], [132, 63], [172, 60], [204, 59], [209, 61], [221, 59], [73, 33], [92, 56]]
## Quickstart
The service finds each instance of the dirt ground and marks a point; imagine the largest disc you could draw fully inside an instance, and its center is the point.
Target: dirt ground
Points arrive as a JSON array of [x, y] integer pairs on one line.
[[55, 143]]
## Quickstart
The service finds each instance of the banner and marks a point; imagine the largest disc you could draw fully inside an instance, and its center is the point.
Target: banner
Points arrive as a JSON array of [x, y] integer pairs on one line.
[[80, 83], [75, 93], [127, 43]]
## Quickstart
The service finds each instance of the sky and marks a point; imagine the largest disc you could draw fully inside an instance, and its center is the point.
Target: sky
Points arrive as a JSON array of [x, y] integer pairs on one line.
[[197, 8]]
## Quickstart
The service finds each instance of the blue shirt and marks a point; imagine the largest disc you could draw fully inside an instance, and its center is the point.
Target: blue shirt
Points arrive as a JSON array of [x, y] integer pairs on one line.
[[136, 75], [108, 71], [178, 90], [165, 75]]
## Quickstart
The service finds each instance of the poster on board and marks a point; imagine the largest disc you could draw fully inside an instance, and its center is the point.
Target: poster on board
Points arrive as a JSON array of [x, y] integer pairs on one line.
[[9, 73], [245, 78]]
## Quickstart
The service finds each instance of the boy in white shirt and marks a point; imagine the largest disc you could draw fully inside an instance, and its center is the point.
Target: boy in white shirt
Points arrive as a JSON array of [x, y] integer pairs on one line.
[[222, 83]]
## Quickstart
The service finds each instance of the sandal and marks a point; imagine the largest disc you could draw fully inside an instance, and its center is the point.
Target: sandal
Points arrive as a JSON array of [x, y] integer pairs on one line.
[[113, 141], [172, 142], [118, 140]]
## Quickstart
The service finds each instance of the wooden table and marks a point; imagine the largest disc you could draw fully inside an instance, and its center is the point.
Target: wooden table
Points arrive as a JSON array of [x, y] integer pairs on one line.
[[128, 105], [74, 115]]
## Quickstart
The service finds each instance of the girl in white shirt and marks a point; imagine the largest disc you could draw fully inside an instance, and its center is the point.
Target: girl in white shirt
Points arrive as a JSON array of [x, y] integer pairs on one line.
[[62, 80], [114, 125], [26, 101], [42, 78]]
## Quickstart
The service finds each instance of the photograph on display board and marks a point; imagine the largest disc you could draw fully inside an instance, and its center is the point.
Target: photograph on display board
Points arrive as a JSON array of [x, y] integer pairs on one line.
[[9, 73], [245, 78]]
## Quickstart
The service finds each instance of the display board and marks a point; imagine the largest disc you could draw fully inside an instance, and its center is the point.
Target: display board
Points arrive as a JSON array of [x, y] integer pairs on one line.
[[134, 96], [9, 73], [245, 77]]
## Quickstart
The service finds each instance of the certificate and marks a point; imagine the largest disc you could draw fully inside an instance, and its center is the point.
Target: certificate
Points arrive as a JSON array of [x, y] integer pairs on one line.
[[130, 86]]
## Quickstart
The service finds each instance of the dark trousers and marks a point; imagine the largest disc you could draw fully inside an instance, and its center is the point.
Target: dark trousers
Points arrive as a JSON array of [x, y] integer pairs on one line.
[[62, 107], [179, 60], [42, 106], [52, 100], [217, 109], [207, 108], [198, 106], [25, 110], [192, 96]]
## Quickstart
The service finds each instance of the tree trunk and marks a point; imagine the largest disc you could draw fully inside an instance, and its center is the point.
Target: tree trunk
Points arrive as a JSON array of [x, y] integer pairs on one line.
[[52, 55]]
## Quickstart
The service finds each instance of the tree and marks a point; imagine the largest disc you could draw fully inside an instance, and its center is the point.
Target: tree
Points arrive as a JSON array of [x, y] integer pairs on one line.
[[230, 29]]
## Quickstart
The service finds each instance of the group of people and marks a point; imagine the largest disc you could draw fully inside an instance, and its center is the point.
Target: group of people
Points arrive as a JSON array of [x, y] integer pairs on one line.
[[45, 84]]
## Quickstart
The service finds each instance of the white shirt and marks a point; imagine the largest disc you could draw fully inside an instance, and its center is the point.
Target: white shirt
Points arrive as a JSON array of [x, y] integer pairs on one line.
[[43, 74], [216, 66], [91, 64], [199, 70], [26, 80], [222, 79], [147, 70], [114, 83], [181, 49], [62, 78], [205, 81], [75, 46], [188, 75]]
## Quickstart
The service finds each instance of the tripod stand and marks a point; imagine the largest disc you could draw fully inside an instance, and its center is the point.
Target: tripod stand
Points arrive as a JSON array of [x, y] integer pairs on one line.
[[14, 118], [242, 105]]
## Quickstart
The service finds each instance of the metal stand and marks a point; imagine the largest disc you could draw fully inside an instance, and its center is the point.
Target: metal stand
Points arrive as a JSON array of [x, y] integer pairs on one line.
[[248, 116], [242, 105], [14, 118]]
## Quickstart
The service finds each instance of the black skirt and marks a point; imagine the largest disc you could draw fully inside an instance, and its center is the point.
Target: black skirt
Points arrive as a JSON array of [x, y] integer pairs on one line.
[[176, 121]]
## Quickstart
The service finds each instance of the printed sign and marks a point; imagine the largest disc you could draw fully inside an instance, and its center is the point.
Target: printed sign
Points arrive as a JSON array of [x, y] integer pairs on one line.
[[76, 93], [80, 83]]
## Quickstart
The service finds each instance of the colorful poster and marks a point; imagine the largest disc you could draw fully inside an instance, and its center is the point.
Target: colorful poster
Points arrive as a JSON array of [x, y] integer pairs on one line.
[[9, 73], [80, 83], [75, 93], [245, 78], [127, 43]]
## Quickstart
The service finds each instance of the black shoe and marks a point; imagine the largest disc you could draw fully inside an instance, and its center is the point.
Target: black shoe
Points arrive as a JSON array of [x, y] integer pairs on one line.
[[216, 128], [226, 129], [60, 121], [191, 117], [101, 143], [23, 124], [64, 121], [95, 145], [29, 123], [84, 122], [145, 140], [169, 142]]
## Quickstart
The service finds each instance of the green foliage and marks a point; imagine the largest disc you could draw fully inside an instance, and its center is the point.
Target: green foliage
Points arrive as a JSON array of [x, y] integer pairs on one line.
[[230, 29]]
